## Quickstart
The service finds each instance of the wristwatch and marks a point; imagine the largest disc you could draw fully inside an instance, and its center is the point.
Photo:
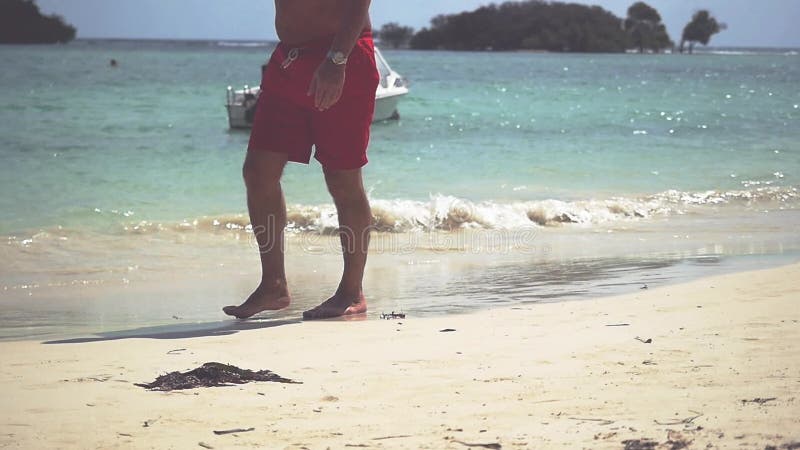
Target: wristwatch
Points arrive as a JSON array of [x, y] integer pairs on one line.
[[338, 58]]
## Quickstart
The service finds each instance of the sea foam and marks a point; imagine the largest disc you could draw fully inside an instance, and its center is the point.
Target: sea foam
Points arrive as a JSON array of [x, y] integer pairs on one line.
[[449, 213]]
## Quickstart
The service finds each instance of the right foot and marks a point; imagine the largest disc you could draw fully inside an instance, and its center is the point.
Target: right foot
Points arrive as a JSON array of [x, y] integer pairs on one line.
[[264, 298], [338, 306]]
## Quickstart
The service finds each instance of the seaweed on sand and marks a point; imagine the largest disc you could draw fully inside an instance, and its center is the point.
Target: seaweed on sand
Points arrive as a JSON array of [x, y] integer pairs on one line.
[[209, 375]]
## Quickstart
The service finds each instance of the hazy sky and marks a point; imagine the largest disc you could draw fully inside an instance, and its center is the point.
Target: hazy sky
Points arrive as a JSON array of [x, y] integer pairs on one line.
[[764, 23]]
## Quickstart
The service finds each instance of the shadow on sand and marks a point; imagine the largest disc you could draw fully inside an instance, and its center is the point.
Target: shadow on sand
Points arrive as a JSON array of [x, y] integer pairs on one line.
[[195, 330]]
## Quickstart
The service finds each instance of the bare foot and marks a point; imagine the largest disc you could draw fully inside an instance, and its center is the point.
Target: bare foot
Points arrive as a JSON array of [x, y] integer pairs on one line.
[[337, 306], [264, 298]]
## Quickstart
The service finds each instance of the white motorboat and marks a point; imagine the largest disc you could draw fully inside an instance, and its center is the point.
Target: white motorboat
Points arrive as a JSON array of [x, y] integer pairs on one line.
[[241, 103]]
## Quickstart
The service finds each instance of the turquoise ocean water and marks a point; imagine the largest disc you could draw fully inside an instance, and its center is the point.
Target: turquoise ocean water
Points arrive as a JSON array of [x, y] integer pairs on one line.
[[99, 166]]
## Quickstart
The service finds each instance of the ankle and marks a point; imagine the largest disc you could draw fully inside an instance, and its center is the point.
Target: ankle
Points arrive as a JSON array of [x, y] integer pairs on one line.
[[273, 283], [349, 292]]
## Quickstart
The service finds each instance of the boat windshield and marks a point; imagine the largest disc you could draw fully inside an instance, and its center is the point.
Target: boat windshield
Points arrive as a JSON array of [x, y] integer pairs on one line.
[[383, 69]]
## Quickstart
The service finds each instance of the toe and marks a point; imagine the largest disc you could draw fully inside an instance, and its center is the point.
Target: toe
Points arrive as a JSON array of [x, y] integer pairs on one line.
[[314, 314], [233, 311]]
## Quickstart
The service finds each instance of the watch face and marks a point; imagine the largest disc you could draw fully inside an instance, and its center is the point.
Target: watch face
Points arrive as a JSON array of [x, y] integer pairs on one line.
[[338, 58]]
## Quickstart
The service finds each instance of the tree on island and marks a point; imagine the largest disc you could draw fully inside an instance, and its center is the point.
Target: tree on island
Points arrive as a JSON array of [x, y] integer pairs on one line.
[[645, 29], [700, 29], [21, 22], [529, 25], [395, 35]]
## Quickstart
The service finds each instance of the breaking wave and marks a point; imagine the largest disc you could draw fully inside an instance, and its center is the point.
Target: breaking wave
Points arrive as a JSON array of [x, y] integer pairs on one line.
[[448, 213]]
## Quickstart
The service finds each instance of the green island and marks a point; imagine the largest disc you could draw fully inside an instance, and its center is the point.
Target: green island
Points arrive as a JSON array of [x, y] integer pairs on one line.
[[21, 22], [537, 25]]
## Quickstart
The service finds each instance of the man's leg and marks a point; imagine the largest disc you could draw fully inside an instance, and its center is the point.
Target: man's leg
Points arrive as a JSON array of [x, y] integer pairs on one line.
[[355, 219], [262, 175]]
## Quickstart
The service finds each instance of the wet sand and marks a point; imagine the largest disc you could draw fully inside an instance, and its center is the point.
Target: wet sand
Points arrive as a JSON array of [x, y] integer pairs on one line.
[[721, 370]]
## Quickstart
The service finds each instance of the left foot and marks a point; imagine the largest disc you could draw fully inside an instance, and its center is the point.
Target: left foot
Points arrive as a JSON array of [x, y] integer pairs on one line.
[[265, 298], [337, 306]]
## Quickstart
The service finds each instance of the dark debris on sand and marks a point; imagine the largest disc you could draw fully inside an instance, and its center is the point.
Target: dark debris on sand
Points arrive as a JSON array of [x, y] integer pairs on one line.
[[787, 446], [492, 445], [209, 375], [675, 441], [233, 431], [758, 400], [640, 444]]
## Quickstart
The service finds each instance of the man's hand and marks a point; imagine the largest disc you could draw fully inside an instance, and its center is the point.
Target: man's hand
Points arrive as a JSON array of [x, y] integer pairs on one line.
[[327, 84]]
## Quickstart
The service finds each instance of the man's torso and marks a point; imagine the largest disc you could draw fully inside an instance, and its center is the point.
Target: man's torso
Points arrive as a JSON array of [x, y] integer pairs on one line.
[[298, 21]]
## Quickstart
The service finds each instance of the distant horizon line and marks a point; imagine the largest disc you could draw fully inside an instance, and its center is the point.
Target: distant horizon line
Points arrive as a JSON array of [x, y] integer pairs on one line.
[[277, 40], [170, 39]]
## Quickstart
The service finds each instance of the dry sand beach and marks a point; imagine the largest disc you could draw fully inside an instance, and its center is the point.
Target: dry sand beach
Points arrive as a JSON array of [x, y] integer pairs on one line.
[[721, 370]]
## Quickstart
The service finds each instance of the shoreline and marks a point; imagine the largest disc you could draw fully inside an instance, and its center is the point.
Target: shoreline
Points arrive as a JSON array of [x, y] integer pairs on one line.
[[721, 370], [423, 284]]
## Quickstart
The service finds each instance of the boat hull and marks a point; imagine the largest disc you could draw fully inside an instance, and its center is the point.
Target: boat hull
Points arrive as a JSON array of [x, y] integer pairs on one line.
[[385, 109]]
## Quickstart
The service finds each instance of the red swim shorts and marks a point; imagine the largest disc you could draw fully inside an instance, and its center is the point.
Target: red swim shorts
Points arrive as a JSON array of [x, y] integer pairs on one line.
[[286, 120]]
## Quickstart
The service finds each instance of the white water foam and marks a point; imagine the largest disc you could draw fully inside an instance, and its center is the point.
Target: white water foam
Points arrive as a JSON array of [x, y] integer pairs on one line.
[[448, 213]]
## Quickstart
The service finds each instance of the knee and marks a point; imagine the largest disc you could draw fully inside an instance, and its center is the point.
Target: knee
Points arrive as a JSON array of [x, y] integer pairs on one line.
[[260, 174], [344, 190]]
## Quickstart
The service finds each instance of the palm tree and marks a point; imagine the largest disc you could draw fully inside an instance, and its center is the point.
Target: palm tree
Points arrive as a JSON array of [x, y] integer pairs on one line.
[[700, 29]]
